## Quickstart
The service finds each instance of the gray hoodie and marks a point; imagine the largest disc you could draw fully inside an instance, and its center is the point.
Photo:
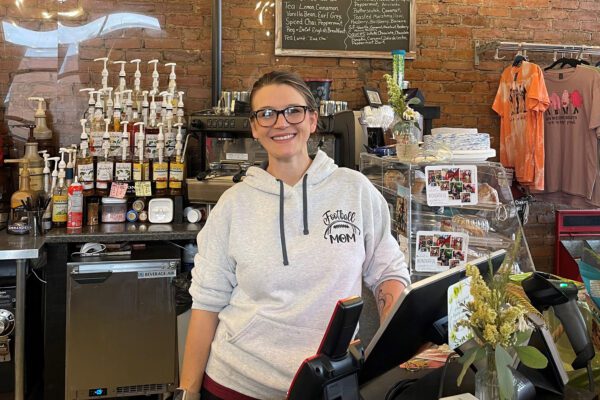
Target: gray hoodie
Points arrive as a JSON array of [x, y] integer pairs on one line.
[[274, 259]]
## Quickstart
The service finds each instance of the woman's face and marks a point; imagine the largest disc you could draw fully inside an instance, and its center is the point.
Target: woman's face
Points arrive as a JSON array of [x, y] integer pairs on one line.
[[283, 141]]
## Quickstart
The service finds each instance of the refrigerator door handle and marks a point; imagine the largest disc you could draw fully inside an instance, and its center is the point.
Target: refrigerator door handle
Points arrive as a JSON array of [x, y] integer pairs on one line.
[[93, 277]]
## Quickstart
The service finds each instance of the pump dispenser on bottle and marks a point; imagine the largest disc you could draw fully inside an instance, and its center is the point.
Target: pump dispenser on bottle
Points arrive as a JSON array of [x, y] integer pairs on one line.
[[163, 106], [172, 88], [123, 172], [104, 71], [91, 102], [98, 112], [145, 107], [160, 169], [152, 110], [128, 104], [70, 167], [154, 77], [21, 201], [59, 196], [141, 168], [47, 216], [109, 102], [180, 105], [176, 166], [104, 166], [137, 91], [85, 163], [122, 75], [41, 131], [46, 171], [117, 113], [35, 164]]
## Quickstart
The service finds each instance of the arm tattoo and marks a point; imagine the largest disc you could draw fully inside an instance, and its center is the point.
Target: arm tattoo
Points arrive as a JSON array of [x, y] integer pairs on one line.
[[384, 300]]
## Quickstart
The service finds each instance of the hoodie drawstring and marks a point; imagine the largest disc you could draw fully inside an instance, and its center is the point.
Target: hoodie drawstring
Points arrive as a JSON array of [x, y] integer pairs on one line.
[[304, 203], [281, 225], [281, 219]]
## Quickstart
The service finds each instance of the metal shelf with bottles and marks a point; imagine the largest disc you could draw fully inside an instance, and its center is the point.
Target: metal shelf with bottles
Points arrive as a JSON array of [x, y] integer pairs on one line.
[[446, 214]]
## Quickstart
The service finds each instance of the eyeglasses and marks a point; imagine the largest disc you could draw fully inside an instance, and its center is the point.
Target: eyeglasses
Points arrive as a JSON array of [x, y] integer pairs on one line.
[[268, 116]]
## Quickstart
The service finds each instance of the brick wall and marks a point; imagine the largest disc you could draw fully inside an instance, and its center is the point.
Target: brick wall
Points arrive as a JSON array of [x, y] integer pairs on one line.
[[444, 68]]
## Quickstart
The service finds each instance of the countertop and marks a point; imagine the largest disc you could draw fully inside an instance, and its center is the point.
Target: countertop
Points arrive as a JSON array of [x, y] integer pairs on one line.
[[17, 247], [123, 232], [14, 247]]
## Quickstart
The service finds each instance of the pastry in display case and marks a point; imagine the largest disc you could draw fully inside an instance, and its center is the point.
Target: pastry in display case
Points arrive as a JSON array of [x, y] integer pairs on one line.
[[446, 214]]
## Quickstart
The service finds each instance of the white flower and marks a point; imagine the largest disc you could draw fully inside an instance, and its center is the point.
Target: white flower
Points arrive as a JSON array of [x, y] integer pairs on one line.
[[409, 114], [522, 324]]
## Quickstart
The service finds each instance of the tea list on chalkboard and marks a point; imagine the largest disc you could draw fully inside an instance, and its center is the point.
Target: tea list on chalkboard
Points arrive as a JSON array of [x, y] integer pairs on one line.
[[344, 28]]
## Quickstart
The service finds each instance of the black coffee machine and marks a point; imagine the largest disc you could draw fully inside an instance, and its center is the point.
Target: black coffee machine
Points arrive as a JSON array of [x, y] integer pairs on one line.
[[218, 133], [226, 148]]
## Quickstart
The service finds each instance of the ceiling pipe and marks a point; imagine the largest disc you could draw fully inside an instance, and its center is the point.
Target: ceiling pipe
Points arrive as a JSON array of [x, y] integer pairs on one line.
[[217, 58]]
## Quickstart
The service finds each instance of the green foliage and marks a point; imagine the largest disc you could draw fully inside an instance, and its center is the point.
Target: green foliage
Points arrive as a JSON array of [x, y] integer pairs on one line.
[[497, 318], [470, 356], [505, 375], [400, 105], [531, 357]]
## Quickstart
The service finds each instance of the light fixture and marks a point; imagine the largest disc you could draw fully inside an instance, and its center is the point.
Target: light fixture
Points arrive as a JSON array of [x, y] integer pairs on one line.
[[71, 14]]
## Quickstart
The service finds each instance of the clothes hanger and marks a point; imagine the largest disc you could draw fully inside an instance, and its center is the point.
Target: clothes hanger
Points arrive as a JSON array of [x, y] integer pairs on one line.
[[520, 57], [563, 61], [580, 58]]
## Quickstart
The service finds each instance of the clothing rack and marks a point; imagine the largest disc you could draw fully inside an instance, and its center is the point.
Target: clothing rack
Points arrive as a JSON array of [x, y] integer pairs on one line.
[[538, 47]]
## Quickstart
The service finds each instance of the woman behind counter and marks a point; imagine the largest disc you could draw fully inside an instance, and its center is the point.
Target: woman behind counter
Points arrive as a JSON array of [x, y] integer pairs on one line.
[[278, 251]]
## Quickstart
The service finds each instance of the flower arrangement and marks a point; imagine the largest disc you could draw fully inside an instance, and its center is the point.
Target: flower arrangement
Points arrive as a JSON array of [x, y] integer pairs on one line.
[[400, 105], [497, 318]]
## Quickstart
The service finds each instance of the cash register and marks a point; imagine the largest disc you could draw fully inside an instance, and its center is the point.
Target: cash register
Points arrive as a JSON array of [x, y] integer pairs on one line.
[[418, 318]]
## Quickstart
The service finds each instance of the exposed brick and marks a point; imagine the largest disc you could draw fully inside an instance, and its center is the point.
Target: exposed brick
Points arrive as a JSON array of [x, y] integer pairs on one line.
[[535, 24], [495, 11], [570, 4], [164, 43]]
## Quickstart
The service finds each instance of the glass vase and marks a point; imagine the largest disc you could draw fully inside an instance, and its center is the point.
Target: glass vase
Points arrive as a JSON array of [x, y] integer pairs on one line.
[[407, 145], [486, 379]]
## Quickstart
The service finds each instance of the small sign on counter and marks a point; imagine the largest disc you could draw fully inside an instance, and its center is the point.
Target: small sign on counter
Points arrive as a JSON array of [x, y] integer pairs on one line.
[[451, 185], [438, 251]]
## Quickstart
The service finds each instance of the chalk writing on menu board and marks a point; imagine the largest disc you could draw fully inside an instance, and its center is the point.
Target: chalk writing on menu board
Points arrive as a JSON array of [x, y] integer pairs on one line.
[[344, 28]]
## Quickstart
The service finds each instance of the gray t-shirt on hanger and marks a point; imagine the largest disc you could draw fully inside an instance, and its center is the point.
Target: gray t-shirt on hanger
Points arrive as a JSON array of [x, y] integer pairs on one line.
[[570, 123]]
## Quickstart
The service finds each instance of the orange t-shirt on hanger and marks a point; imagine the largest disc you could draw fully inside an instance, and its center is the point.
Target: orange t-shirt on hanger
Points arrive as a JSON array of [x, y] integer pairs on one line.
[[521, 101]]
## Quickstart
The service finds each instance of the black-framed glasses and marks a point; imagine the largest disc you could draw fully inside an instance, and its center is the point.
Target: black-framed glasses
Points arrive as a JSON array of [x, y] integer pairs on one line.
[[268, 116]]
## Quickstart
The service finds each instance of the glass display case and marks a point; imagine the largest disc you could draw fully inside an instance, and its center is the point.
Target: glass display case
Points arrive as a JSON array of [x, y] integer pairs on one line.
[[446, 214]]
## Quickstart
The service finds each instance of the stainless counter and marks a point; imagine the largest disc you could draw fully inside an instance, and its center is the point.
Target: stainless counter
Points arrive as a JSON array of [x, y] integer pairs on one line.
[[15, 247], [24, 247], [20, 248]]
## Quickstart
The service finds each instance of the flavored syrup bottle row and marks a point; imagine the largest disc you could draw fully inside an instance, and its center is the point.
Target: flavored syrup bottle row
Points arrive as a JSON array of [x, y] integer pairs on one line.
[[132, 97]]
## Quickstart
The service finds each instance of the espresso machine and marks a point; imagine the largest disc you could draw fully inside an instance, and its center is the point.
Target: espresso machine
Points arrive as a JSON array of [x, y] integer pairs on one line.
[[226, 149]]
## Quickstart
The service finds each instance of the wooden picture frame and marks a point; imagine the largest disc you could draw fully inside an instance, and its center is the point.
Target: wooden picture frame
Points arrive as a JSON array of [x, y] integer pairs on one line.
[[372, 96], [337, 51]]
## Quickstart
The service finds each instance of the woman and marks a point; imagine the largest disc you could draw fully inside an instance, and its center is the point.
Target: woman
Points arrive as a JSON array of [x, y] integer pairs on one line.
[[278, 251]]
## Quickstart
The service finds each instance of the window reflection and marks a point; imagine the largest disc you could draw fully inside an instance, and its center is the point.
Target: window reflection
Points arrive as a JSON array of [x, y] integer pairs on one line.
[[45, 44], [40, 68]]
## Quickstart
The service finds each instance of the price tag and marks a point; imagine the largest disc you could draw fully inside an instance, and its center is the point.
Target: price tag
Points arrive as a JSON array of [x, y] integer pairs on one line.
[[143, 189], [118, 190]]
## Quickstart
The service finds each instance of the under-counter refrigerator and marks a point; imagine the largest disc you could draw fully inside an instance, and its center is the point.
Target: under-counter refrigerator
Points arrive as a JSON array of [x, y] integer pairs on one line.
[[121, 337]]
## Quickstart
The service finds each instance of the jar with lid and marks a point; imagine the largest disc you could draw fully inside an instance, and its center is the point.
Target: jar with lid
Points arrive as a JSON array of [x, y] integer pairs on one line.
[[113, 210]]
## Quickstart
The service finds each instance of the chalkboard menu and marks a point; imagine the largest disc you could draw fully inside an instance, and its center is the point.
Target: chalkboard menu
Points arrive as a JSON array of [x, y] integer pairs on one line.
[[345, 28]]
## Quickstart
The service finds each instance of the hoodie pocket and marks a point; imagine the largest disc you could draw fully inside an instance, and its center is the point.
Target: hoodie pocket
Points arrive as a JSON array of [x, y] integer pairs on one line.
[[279, 346]]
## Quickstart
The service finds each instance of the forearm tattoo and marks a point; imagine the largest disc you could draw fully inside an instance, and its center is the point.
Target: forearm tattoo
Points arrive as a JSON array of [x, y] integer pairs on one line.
[[384, 300]]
